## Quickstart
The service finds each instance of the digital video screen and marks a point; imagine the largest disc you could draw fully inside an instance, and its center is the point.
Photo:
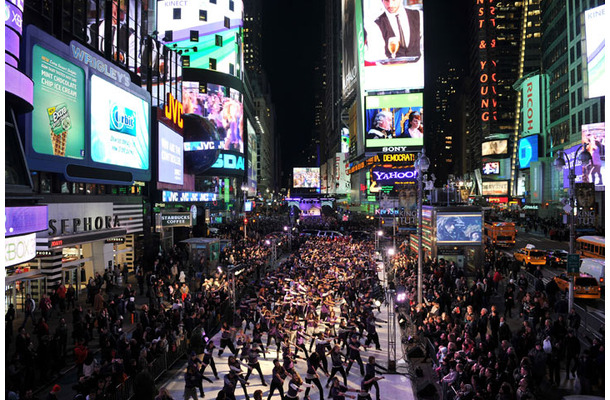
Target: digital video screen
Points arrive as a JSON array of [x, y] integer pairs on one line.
[[393, 44], [495, 147], [459, 228], [491, 168], [171, 156], [120, 126], [209, 33], [394, 120], [221, 105], [306, 177], [595, 39], [594, 141], [528, 151]]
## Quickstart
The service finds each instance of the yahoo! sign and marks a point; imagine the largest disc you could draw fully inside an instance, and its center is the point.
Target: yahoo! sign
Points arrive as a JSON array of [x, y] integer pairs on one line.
[[393, 176]]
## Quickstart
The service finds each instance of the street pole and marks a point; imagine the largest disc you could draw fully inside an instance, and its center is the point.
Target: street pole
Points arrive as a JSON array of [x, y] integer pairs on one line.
[[572, 178], [560, 162], [420, 235]]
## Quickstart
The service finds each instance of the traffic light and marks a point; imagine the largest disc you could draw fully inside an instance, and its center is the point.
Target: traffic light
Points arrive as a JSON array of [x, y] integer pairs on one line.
[[245, 221]]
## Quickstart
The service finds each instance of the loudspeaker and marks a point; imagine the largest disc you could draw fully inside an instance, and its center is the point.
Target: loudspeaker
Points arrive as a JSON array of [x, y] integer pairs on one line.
[[426, 389], [392, 366], [416, 352]]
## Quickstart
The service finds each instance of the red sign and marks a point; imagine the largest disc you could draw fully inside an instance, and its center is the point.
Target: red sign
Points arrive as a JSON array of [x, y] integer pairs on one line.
[[56, 243], [497, 199]]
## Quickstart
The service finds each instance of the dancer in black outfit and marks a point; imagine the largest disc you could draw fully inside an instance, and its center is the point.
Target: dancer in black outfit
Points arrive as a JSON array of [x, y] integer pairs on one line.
[[353, 352], [313, 363], [208, 359], [337, 360], [277, 381], [226, 340]]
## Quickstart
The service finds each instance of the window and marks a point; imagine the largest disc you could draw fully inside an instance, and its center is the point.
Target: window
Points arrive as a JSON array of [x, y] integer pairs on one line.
[[227, 23], [212, 63], [177, 13], [231, 68], [231, 5], [194, 36], [218, 40], [203, 15]]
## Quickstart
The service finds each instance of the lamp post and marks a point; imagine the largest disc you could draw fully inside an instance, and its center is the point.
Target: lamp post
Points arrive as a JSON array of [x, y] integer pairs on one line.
[[378, 235], [560, 162], [421, 165]]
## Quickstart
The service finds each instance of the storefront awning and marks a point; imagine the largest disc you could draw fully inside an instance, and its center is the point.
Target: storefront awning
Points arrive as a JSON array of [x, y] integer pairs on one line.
[[26, 276], [59, 242]]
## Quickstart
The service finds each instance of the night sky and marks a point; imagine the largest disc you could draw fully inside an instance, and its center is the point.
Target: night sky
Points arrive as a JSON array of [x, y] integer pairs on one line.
[[292, 38]]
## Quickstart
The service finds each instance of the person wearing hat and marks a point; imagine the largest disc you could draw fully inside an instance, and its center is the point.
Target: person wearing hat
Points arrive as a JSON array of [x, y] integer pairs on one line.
[[53, 393]]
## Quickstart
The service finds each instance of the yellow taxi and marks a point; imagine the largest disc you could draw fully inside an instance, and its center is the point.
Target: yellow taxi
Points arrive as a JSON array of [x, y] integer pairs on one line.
[[585, 286], [530, 256]]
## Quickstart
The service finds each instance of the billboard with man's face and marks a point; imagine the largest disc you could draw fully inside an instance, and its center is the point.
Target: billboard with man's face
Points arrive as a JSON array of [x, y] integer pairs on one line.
[[465, 228], [393, 44]]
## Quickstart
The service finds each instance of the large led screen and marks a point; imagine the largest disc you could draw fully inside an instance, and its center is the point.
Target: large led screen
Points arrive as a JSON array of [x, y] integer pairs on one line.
[[58, 119], [494, 168], [171, 156], [594, 141], [528, 151], [495, 147], [222, 106], [393, 46], [207, 32], [464, 228], [120, 126], [595, 33], [306, 177], [394, 120]]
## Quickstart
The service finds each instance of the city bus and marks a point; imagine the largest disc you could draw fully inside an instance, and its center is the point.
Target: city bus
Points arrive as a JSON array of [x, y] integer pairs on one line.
[[591, 246], [500, 233]]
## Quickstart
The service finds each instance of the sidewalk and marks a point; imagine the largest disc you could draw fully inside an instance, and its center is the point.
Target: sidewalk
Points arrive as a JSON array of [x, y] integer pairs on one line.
[[66, 376]]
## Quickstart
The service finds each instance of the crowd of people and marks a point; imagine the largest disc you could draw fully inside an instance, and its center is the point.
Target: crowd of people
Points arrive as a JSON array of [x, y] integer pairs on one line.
[[479, 356], [319, 306]]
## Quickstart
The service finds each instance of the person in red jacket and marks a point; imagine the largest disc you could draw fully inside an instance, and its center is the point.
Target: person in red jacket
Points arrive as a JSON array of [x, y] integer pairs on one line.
[[80, 354]]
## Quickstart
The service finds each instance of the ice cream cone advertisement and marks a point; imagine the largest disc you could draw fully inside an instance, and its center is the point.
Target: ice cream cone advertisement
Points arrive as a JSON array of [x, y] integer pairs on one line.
[[58, 119]]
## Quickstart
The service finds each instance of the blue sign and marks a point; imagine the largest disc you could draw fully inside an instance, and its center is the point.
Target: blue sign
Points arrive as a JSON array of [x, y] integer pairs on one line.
[[528, 151], [175, 197]]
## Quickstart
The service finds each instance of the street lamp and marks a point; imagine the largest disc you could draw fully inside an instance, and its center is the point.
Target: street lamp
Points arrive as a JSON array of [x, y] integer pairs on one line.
[[378, 236], [421, 165], [560, 162]]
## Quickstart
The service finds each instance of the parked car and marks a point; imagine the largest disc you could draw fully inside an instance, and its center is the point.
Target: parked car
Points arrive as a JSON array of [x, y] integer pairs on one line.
[[557, 258], [585, 286]]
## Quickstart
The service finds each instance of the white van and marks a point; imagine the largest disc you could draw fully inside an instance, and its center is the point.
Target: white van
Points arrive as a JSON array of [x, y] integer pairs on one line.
[[594, 267]]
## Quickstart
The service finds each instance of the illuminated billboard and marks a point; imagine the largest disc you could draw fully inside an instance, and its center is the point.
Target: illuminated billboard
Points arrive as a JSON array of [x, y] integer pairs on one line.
[[208, 34], [220, 105], [491, 168], [530, 94], [495, 188], [595, 33], [385, 176], [594, 141], [171, 156], [120, 126], [494, 168], [393, 46], [349, 63], [394, 120], [88, 116], [528, 150], [306, 177], [459, 228], [494, 147]]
